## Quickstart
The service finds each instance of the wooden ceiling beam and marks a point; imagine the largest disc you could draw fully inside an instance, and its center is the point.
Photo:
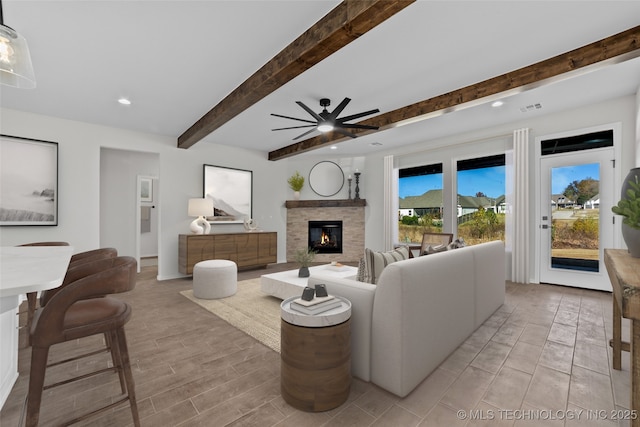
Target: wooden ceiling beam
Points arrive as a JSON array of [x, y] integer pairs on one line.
[[342, 25], [616, 48]]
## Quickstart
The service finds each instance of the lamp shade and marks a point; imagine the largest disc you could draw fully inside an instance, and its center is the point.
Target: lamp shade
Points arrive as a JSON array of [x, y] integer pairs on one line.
[[200, 207], [15, 61]]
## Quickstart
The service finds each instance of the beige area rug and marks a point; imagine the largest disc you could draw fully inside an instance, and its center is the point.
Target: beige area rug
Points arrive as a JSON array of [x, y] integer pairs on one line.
[[249, 310]]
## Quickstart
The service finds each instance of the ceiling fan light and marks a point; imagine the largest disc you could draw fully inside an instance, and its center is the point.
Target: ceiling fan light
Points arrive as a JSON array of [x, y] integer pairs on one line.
[[15, 61], [325, 127]]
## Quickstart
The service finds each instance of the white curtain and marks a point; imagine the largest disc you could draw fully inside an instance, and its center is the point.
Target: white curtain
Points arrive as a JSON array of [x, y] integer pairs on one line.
[[520, 204], [390, 215]]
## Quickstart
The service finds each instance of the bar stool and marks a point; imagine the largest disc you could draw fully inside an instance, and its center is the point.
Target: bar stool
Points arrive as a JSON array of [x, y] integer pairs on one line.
[[32, 297], [76, 259], [80, 309]]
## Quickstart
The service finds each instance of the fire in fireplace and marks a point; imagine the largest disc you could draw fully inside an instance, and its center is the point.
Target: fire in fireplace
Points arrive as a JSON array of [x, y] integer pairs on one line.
[[325, 237]]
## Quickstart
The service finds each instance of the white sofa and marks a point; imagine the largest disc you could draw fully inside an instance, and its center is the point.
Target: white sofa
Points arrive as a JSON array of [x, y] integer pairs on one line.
[[419, 312]]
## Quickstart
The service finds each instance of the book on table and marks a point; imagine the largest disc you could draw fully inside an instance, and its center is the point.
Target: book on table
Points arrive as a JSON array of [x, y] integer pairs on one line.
[[316, 305]]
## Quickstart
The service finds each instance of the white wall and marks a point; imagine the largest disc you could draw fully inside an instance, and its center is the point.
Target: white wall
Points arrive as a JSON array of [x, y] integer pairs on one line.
[[180, 175]]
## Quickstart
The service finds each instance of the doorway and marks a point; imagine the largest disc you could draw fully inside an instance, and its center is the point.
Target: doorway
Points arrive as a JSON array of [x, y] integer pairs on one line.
[[147, 221], [574, 213], [121, 175]]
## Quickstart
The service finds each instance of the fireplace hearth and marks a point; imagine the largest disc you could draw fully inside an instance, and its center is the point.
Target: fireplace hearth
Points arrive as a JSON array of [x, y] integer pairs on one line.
[[325, 237]]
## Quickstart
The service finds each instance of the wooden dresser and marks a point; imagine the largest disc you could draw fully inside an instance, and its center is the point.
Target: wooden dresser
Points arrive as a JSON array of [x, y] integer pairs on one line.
[[246, 249]]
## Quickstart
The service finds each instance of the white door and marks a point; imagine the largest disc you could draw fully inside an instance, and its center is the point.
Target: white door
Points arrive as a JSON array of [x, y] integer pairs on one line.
[[575, 228]]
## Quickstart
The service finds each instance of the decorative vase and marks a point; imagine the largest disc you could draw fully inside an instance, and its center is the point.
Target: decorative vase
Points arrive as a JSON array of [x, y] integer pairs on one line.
[[631, 176], [296, 195], [630, 235], [303, 272]]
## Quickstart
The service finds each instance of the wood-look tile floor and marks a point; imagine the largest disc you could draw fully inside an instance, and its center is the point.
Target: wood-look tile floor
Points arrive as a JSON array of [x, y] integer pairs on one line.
[[542, 359]]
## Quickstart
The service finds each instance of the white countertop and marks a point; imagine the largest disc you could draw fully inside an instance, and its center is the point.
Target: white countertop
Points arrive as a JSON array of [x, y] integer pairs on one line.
[[32, 268]]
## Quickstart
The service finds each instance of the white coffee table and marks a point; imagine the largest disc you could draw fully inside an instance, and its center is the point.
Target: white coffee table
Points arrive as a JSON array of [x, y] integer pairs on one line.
[[287, 284]]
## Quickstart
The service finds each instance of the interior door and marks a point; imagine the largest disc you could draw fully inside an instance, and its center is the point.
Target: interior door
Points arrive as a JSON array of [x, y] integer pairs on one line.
[[575, 227]]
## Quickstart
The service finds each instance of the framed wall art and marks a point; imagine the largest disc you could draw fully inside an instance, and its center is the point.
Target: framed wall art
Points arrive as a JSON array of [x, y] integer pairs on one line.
[[28, 181], [146, 190], [231, 191]]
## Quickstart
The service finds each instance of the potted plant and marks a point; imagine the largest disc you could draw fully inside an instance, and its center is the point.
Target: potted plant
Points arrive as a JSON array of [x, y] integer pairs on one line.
[[296, 182], [304, 257], [629, 208]]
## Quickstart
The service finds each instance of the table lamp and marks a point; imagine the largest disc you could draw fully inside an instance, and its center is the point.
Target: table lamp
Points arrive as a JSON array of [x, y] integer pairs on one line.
[[200, 208]]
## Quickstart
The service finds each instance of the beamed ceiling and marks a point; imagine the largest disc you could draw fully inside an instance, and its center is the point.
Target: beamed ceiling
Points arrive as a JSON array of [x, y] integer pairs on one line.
[[211, 72]]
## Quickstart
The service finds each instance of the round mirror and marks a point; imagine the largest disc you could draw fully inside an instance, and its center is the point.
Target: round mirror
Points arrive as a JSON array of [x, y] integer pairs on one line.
[[326, 178]]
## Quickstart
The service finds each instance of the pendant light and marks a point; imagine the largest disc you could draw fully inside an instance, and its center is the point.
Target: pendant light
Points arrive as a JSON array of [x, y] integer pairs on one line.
[[15, 61]]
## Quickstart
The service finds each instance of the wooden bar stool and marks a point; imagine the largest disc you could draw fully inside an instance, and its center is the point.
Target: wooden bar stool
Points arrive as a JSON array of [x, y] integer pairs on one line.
[[32, 297], [76, 259], [80, 309]]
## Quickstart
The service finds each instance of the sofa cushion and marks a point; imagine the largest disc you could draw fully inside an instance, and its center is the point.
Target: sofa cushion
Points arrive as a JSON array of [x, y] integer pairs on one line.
[[375, 262]]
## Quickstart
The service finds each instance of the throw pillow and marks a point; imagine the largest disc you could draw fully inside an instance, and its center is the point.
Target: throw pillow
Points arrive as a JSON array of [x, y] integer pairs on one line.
[[360, 277], [375, 262], [458, 243], [435, 249]]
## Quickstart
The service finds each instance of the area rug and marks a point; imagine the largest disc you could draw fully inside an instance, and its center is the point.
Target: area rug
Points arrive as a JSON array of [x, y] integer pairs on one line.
[[250, 310]]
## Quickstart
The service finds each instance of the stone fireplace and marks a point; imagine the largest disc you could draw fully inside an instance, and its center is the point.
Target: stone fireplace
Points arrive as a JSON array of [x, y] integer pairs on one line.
[[351, 212]]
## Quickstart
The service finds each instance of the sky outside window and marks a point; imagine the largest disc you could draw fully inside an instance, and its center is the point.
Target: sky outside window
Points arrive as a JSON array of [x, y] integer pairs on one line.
[[562, 177]]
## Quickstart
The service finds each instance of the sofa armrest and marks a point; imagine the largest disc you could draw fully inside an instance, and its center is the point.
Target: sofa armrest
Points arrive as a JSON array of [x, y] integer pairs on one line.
[[361, 296]]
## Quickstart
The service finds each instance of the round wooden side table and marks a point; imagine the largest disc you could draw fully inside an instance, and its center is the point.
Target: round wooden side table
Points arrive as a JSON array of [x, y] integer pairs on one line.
[[315, 357]]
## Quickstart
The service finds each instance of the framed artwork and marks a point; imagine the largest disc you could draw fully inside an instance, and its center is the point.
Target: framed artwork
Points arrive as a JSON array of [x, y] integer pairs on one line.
[[231, 191], [28, 181], [146, 190]]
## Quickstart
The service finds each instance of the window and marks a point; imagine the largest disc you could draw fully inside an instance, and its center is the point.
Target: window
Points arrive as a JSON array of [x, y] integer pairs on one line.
[[481, 199], [420, 201]]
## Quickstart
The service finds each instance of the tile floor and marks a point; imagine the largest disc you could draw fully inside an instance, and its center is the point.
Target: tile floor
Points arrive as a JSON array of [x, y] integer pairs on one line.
[[542, 359]]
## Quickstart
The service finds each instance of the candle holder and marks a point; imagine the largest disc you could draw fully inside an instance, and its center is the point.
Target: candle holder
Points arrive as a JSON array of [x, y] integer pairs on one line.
[[357, 197], [349, 181]]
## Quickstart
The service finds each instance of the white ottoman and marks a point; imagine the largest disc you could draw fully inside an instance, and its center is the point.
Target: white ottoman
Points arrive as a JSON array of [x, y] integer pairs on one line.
[[216, 278]]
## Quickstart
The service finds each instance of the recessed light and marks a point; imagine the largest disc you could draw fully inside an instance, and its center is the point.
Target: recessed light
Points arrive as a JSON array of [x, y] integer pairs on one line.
[[333, 147], [375, 144], [497, 104], [124, 101]]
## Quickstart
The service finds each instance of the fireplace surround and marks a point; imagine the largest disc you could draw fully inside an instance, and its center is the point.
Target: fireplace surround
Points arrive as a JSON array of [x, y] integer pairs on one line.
[[350, 212]]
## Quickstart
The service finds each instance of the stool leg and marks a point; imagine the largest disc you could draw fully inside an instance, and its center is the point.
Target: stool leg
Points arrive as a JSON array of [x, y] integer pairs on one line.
[[116, 357], [31, 309], [36, 383], [126, 366]]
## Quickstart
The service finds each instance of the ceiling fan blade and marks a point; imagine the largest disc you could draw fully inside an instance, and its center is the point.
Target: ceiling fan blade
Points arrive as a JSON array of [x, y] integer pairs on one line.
[[296, 127], [357, 116], [345, 133], [292, 118], [304, 134], [310, 111], [336, 111], [357, 126]]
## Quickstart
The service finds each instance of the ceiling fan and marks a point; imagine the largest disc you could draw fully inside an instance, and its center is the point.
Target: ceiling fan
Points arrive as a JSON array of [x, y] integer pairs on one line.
[[326, 121]]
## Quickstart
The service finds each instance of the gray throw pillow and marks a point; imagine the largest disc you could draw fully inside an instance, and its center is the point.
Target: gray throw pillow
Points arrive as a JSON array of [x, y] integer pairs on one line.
[[458, 243]]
